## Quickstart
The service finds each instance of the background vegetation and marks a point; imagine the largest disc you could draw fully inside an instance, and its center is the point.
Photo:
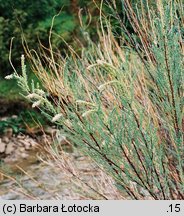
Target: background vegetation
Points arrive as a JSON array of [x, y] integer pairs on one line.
[[116, 91], [32, 20]]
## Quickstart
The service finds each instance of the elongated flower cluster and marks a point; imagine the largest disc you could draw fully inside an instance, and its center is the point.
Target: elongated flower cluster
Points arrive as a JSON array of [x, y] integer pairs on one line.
[[57, 117]]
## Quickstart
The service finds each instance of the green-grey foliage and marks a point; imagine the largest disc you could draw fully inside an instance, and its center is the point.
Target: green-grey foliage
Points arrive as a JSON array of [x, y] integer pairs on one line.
[[123, 103]]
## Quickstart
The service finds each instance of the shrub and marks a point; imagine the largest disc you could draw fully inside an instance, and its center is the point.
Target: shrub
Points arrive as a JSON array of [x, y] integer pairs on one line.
[[122, 103]]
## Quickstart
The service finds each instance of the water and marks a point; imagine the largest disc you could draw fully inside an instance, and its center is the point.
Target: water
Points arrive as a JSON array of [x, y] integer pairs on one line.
[[33, 179]]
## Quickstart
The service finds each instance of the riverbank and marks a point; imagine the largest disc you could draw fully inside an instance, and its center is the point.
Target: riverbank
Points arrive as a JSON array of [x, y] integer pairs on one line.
[[46, 166]]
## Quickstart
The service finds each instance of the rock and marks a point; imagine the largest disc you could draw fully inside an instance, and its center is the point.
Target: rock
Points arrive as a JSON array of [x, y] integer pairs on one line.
[[16, 143], [21, 136], [2, 146], [24, 155], [10, 148], [22, 142], [22, 149], [27, 146], [6, 139]]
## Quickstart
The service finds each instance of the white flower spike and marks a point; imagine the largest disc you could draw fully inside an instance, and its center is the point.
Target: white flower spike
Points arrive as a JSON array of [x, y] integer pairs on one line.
[[36, 104], [8, 77], [57, 117], [32, 95]]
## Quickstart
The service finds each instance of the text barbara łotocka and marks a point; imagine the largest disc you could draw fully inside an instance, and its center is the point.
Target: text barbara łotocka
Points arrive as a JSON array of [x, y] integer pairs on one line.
[[22, 208]]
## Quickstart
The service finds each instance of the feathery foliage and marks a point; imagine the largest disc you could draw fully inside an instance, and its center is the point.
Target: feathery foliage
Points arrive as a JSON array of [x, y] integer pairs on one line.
[[123, 102]]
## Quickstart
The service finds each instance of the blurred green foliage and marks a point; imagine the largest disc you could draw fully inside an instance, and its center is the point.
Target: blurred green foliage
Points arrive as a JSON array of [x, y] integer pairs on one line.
[[33, 19], [27, 121]]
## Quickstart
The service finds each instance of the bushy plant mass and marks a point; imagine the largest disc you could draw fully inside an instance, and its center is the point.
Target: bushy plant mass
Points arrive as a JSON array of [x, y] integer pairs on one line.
[[121, 100]]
